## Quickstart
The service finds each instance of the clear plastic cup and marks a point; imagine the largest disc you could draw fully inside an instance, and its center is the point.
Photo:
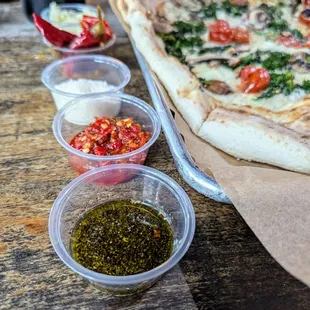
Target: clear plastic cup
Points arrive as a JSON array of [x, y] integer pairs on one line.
[[147, 186], [76, 116], [75, 28], [90, 67], [72, 27], [64, 52]]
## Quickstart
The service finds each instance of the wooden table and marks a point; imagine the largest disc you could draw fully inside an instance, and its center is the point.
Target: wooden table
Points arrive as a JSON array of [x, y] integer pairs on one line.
[[226, 267]]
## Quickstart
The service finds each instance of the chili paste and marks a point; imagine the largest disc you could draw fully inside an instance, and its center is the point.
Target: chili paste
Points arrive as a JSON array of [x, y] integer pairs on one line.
[[111, 136], [122, 238]]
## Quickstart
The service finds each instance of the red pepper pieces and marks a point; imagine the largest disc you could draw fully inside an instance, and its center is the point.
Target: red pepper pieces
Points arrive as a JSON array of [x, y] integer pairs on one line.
[[52, 34], [110, 136]]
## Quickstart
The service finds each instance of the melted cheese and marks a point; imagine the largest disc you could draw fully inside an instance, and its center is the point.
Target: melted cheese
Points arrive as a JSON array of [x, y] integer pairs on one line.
[[221, 73], [174, 13], [260, 43], [233, 22], [276, 103]]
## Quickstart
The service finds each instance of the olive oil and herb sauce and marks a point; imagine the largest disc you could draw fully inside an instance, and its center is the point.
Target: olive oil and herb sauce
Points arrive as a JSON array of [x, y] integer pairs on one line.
[[122, 238]]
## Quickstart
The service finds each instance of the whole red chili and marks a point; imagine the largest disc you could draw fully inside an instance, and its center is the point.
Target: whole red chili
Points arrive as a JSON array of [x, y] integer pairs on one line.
[[52, 34], [86, 39], [88, 22], [95, 31]]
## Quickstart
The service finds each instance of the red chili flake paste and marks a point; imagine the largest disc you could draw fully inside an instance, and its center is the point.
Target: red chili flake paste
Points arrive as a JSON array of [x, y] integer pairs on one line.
[[110, 136]]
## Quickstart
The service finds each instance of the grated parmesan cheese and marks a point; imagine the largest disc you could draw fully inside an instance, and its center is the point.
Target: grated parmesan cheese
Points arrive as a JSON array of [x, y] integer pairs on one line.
[[79, 87], [85, 113]]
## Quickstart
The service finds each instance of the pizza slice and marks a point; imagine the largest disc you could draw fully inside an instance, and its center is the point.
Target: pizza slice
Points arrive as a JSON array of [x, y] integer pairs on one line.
[[238, 71]]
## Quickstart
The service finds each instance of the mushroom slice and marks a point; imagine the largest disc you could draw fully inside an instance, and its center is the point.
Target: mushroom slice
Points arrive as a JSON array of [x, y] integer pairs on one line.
[[217, 87], [192, 5], [299, 63], [242, 48], [204, 58], [295, 4], [161, 25], [239, 2], [259, 19]]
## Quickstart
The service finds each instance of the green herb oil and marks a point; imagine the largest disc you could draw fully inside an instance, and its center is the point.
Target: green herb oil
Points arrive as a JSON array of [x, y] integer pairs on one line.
[[122, 238]]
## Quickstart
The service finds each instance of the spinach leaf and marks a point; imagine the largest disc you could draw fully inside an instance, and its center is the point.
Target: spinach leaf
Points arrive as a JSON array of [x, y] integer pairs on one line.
[[172, 45], [279, 83], [174, 42], [306, 85], [278, 25], [297, 34], [250, 59], [190, 42], [234, 10], [271, 10], [276, 60], [210, 10], [215, 49], [183, 27]]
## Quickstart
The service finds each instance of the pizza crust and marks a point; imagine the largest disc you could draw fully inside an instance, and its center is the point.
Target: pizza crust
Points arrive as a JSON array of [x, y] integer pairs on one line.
[[255, 139], [182, 86], [242, 131]]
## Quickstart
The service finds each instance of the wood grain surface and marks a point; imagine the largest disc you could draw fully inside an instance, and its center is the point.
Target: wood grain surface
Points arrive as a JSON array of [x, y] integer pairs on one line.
[[225, 268]]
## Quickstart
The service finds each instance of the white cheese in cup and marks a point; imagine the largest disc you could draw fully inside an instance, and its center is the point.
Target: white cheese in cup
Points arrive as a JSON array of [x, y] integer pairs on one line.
[[85, 114], [61, 18]]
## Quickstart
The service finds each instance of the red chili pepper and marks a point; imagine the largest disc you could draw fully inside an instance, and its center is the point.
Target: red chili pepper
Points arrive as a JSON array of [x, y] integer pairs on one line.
[[86, 39], [52, 34], [88, 22], [95, 31]]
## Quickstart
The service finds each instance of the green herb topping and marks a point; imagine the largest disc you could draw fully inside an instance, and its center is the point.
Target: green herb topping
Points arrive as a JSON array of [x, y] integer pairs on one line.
[[183, 27], [273, 61], [234, 10], [279, 83], [278, 24], [122, 238], [210, 10], [306, 86], [276, 61], [215, 49], [176, 40]]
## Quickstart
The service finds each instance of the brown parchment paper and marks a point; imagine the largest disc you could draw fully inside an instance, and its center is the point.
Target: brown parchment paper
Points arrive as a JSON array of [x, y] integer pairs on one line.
[[275, 203]]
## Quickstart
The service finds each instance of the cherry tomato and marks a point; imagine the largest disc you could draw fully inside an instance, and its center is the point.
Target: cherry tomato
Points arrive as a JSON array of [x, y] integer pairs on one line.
[[306, 3], [289, 41], [241, 36], [304, 17], [254, 79], [307, 43], [220, 32]]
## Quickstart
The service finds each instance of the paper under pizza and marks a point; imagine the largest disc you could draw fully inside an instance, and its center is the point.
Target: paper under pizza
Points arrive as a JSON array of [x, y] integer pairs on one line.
[[238, 71]]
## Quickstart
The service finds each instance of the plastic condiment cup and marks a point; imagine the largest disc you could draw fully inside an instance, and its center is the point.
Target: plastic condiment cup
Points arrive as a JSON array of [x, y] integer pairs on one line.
[[63, 52], [147, 186], [68, 122], [91, 67]]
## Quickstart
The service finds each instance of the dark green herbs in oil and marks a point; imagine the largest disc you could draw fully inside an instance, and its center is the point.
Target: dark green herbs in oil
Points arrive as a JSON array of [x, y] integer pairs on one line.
[[122, 238]]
